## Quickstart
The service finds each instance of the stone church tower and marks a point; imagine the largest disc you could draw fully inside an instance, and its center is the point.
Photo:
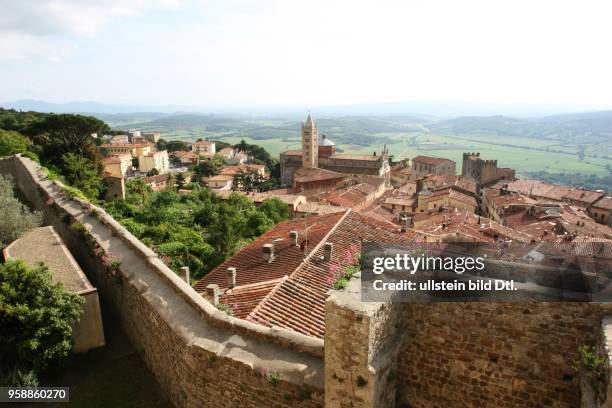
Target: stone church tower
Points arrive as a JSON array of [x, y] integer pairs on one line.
[[310, 144]]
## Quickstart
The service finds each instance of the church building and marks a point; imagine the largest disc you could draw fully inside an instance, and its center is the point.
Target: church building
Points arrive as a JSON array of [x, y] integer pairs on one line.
[[318, 158]]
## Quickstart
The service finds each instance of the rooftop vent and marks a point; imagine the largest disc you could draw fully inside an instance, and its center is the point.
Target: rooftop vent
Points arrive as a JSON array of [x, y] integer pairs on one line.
[[293, 235], [328, 251]]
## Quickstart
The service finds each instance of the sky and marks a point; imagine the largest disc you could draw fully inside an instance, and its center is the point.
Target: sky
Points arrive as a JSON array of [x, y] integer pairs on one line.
[[231, 53]]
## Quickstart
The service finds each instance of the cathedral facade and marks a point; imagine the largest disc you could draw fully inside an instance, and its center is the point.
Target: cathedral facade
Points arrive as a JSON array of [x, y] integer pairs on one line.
[[320, 152]]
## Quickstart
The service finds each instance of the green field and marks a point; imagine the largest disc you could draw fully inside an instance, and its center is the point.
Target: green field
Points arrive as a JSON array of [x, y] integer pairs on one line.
[[574, 144]]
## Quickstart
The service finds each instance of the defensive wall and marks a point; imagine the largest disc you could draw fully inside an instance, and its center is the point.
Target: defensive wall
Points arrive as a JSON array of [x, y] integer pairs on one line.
[[375, 354]]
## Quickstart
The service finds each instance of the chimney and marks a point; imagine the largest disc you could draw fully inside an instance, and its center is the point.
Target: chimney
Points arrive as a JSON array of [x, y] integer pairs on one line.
[[328, 250], [185, 273], [212, 291], [231, 277], [293, 235], [268, 252]]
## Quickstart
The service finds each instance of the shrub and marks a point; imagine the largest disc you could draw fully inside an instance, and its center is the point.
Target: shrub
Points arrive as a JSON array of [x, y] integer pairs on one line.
[[15, 218], [36, 316]]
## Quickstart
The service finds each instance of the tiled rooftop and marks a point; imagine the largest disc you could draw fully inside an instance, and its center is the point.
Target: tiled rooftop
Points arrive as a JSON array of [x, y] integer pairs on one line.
[[604, 203], [432, 161], [355, 157], [305, 175], [291, 290]]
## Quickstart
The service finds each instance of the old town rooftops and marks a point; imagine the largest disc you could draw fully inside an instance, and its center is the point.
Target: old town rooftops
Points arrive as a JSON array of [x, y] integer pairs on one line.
[[290, 290], [432, 161], [307, 175]]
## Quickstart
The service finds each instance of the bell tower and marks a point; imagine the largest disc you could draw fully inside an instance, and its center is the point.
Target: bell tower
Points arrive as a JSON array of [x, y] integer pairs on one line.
[[310, 144]]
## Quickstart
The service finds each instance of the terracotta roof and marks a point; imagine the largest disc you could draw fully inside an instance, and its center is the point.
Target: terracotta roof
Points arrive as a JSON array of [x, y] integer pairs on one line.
[[218, 177], [455, 195], [126, 145], [204, 143], [433, 161], [409, 188], [584, 196], [500, 200], [535, 188], [289, 199], [184, 154], [305, 175], [245, 168], [249, 263], [355, 157], [348, 197], [408, 202], [243, 299], [298, 301], [604, 203], [318, 209], [466, 224]]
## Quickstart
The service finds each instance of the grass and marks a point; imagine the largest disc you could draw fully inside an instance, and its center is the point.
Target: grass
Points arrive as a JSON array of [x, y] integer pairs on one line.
[[406, 140]]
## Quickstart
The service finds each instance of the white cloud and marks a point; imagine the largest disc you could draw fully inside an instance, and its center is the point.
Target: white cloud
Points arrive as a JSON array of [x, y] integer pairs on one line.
[[15, 47], [30, 29]]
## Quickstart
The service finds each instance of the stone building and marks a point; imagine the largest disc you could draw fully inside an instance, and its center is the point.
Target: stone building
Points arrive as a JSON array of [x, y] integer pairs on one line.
[[44, 245], [436, 166], [309, 344], [320, 152], [484, 172]]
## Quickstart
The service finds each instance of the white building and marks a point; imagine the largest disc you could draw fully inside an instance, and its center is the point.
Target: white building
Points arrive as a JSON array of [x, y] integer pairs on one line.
[[204, 148], [154, 160]]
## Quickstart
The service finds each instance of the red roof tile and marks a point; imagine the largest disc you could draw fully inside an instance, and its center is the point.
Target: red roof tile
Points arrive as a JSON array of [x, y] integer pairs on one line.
[[290, 291], [433, 161]]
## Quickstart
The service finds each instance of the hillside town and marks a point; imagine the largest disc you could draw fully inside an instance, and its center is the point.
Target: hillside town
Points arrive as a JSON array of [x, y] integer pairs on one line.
[[336, 201], [221, 241]]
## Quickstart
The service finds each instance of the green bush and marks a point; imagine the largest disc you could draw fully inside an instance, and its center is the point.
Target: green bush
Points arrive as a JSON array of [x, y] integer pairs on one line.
[[36, 317]]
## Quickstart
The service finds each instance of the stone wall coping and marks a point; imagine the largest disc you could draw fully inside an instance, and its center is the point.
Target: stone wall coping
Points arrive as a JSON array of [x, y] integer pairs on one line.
[[285, 338]]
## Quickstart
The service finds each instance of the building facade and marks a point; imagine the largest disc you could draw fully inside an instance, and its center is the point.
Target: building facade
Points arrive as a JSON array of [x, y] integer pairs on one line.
[[155, 160], [320, 152], [436, 166]]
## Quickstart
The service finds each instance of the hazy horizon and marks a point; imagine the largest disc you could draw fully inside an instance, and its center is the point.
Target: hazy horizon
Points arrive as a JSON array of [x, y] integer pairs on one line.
[[497, 57]]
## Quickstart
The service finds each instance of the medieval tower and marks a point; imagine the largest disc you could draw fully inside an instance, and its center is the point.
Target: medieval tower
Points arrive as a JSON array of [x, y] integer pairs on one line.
[[310, 144]]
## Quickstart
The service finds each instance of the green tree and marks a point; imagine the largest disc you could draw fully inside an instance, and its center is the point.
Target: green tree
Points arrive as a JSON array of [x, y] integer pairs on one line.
[[180, 180], [176, 145], [68, 133], [12, 142], [152, 172], [36, 317], [275, 209], [83, 174], [175, 161], [15, 218], [210, 166], [161, 144]]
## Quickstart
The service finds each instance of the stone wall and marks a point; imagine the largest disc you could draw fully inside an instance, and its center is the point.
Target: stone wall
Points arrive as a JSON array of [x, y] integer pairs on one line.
[[376, 354], [198, 354], [456, 354], [362, 343], [494, 354]]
